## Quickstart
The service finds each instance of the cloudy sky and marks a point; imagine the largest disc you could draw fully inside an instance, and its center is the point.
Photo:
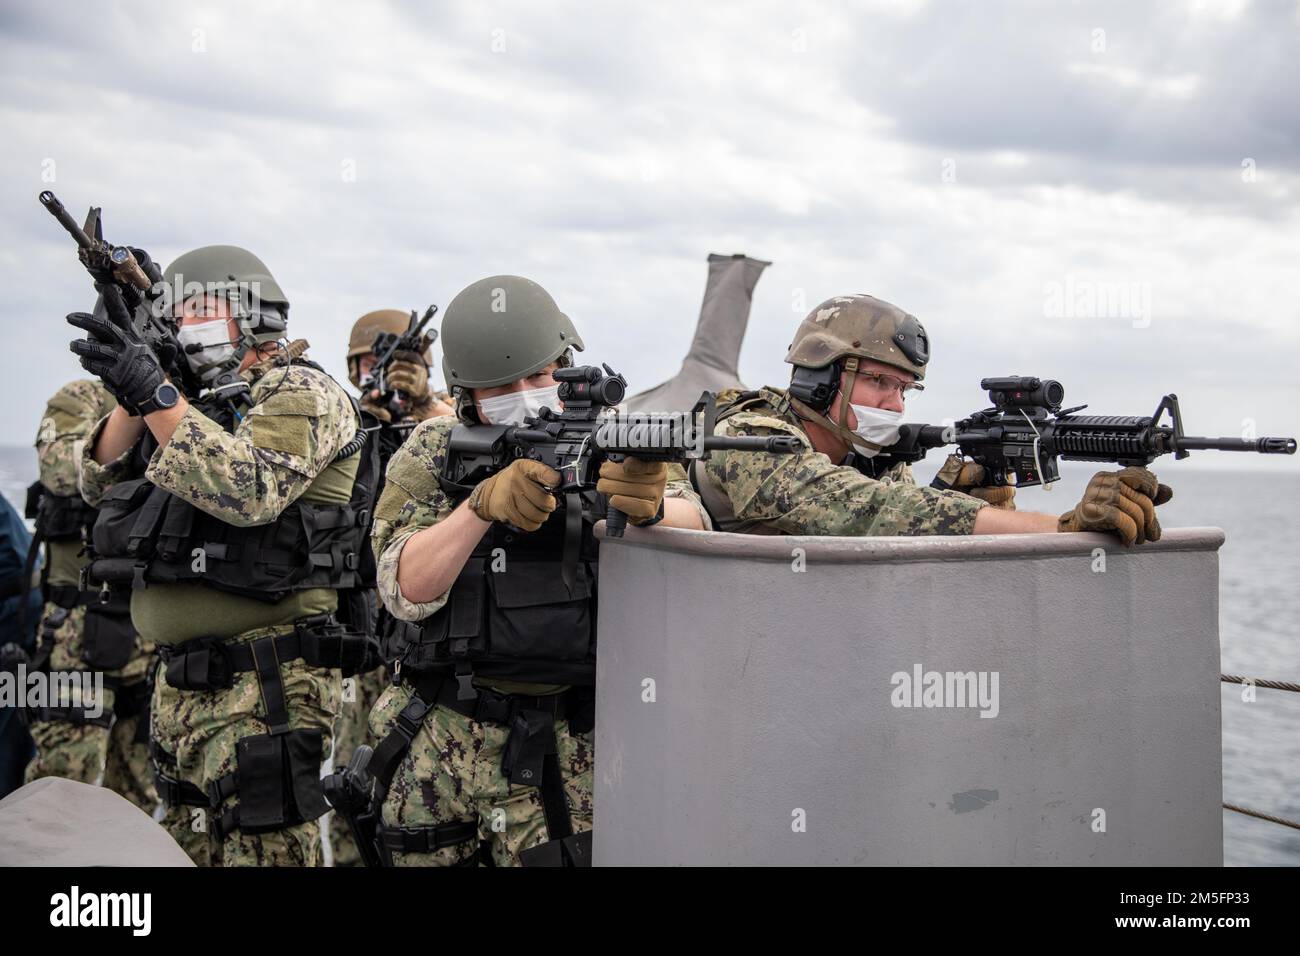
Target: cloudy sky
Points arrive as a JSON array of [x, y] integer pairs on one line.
[[1103, 193]]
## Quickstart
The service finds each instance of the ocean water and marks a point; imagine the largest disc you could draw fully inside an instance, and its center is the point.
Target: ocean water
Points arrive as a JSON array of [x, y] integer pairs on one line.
[[1259, 635], [1259, 627]]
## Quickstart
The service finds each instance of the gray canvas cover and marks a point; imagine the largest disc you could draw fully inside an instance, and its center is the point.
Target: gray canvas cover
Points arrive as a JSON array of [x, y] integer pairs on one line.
[[59, 822], [714, 355]]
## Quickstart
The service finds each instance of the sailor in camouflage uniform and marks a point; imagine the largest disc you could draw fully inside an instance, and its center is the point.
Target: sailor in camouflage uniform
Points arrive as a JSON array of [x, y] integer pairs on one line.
[[855, 359], [237, 521], [79, 632], [496, 660], [409, 402]]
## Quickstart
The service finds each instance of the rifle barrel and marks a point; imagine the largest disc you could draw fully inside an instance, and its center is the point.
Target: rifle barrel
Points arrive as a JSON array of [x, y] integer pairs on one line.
[[55, 209], [780, 444], [1263, 446]]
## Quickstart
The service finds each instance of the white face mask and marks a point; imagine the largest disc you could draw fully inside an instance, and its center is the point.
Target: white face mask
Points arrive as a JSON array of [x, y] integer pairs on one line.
[[513, 407], [207, 347], [878, 425]]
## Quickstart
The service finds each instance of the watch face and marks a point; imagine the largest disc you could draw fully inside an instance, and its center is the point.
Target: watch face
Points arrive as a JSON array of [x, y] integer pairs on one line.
[[166, 395]]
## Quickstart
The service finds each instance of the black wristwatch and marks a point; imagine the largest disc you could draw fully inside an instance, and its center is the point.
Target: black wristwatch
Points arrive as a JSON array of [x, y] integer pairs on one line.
[[165, 395]]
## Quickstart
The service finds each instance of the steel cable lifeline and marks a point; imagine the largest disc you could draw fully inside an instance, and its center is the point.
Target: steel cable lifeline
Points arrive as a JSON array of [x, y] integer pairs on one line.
[[1275, 685], [1261, 682], [1263, 816]]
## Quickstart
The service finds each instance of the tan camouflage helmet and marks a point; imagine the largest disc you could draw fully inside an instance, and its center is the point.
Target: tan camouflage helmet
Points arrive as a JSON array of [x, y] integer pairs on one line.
[[367, 328], [861, 326]]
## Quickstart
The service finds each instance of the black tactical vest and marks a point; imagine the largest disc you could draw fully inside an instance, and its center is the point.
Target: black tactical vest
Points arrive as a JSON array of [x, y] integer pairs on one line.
[[511, 613], [146, 535], [58, 517]]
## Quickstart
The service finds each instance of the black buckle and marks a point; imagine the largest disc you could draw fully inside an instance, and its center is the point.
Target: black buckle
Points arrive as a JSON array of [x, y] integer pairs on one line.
[[412, 715]]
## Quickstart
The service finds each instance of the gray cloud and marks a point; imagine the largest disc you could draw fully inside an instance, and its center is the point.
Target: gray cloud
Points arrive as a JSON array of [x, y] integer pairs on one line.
[[604, 152]]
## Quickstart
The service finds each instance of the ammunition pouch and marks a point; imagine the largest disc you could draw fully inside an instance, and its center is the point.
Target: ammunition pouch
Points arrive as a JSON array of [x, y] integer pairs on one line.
[[277, 780], [108, 639]]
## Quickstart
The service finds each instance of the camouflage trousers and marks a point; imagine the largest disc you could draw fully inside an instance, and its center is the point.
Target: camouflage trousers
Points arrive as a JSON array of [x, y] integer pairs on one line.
[[452, 774], [195, 733], [350, 731], [117, 755]]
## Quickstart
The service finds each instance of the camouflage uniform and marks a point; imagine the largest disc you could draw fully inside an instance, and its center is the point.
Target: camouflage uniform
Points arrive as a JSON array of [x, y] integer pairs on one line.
[[807, 493], [283, 449], [361, 693], [66, 748], [452, 771]]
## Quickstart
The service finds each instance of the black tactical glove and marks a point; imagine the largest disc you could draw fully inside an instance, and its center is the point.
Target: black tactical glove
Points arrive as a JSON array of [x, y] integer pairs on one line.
[[115, 351]]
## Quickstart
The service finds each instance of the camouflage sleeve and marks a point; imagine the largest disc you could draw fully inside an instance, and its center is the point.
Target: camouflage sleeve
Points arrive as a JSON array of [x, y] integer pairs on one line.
[[804, 493], [70, 416], [902, 473], [299, 421], [412, 501], [679, 486], [95, 479]]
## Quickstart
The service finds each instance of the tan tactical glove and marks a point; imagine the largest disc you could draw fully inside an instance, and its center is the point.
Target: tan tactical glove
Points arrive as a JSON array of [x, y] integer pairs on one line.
[[634, 487], [409, 375], [517, 495], [1121, 501], [965, 476]]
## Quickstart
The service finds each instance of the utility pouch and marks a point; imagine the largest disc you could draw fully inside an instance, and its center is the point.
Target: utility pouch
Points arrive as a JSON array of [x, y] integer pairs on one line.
[[202, 665], [573, 850], [128, 519], [279, 780], [108, 639]]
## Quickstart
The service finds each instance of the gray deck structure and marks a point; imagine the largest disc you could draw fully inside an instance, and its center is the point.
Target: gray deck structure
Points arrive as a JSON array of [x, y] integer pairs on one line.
[[774, 693]]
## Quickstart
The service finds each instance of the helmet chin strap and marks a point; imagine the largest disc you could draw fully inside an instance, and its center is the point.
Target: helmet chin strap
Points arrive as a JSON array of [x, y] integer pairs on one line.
[[841, 428]]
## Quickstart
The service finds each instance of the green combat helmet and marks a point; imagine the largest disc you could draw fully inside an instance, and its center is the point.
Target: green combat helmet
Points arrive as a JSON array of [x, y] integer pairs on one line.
[[498, 330], [256, 300], [834, 337]]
